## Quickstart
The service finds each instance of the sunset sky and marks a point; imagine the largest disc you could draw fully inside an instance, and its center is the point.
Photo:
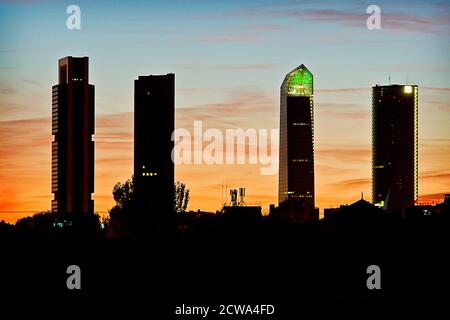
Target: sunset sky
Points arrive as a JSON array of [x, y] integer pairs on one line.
[[229, 60]]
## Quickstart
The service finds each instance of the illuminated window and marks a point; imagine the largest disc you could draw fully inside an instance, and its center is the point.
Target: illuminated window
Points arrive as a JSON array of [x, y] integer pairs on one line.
[[408, 89], [379, 204]]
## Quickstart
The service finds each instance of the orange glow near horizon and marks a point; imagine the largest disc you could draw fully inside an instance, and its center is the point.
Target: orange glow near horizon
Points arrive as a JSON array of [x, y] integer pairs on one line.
[[229, 59], [342, 172]]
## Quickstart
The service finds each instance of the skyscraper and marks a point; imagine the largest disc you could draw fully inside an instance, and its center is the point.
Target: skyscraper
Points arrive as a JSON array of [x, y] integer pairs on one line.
[[296, 171], [72, 147], [154, 123], [394, 146]]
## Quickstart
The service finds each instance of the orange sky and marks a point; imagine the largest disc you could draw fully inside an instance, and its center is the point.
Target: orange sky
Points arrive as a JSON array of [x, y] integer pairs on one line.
[[229, 59], [342, 152]]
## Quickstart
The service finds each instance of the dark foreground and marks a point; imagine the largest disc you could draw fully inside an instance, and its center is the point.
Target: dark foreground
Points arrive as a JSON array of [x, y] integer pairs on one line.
[[317, 272]]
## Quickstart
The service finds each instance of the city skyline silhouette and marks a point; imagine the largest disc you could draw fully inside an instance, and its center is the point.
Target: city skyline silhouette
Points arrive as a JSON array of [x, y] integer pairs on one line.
[[224, 90], [224, 159], [149, 116]]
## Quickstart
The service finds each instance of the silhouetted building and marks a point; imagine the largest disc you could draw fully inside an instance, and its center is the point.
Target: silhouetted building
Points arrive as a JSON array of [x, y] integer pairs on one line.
[[329, 211], [359, 214], [272, 208], [423, 212], [154, 122], [294, 210], [296, 168], [247, 214], [394, 146], [73, 149]]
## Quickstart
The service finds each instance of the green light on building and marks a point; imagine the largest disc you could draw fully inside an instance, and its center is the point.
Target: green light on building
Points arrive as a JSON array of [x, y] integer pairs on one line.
[[299, 82]]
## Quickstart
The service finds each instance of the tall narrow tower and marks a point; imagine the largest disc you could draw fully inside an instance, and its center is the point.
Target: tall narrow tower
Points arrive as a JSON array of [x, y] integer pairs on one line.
[[394, 146], [154, 123], [296, 171], [72, 147]]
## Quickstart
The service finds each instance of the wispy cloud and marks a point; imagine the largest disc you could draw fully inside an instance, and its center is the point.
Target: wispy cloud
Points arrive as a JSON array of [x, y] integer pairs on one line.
[[418, 67], [435, 174], [6, 89], [390, 20], [23, 1], [238, 67], [241, 107], [25, 161], [338, 90], [231, 67], [192, 90], [230, 37], [346, 114], [246, 33], [352, 183], [435, 89], [266, 27], [25, 164], [31, 82], [345, 154], [424, 21]]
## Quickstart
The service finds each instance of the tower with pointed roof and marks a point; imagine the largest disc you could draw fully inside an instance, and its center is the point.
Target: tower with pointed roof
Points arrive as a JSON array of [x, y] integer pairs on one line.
[[296, 168]]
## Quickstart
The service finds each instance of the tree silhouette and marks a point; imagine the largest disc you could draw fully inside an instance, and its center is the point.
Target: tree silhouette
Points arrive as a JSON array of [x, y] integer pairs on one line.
[[181, 197], [124, 216], [123, 193], [59, 224]]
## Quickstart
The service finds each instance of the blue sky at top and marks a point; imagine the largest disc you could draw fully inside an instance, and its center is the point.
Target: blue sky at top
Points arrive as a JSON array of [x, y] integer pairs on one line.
[[226, 44]]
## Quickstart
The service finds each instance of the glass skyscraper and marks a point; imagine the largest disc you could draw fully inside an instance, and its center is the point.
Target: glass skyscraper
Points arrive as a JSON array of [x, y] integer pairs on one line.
[[394, 146], [296, 169]]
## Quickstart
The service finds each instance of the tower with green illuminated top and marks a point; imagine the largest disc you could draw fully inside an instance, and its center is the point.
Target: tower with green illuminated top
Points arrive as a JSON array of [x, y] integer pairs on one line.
[[299, 82], [296, 168]]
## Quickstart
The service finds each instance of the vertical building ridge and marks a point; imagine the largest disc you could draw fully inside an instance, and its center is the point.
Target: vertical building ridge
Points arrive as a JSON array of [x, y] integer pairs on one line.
[[72, 127], [296, 169], [395, 146], [154, 123]]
